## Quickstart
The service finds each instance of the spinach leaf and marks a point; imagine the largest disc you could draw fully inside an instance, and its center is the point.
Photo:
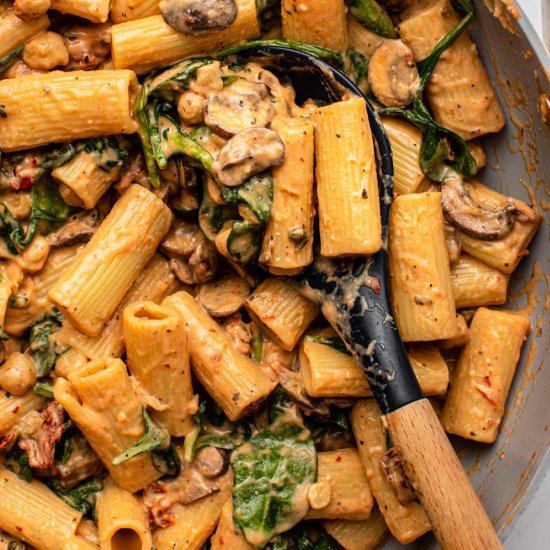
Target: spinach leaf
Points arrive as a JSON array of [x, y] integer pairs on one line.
[[271, 474], [43, 349], [212, 216], [244, 241], [107, 151], [256, 347], [3, 336], [154, 438], [17, 545], [299, 538], [17, 461], [240, 432], [43, 388], [333, 342], [81, 498], [357, 69], [441, 148], [166, 461], [8, 60], [372, 16]]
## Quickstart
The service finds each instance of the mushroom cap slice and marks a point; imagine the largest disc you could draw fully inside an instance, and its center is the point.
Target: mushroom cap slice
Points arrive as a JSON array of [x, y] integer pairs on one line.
[[248, 153], [392, 75], [225, 296], [237, 107], [198, 16], [474, 219]]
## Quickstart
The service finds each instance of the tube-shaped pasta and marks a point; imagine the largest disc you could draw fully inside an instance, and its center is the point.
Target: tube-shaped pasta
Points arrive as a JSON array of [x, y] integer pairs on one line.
[[281, 311], [350, 494], [156, 354], [225, 537], [32, 512], [121, 519], [405, 140], [477, 284], [96, 11], [35, 289], [408, 521], [419, 269], [64, 106], [90, 290], [327, 372], [482, 379], [195, 522], [101, 401], [233, 380], [288, 238], [15, 31], [460, 92], [461, 337], [503, 254], [154, 283], [145, 44], [321, 22], [358, 535], [128, 10], [13, 408], [86, 180], [347, 186], [5, 293], [361, 39]]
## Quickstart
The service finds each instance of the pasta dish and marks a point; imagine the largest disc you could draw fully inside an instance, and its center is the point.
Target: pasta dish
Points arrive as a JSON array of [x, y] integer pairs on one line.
[[165, 381]]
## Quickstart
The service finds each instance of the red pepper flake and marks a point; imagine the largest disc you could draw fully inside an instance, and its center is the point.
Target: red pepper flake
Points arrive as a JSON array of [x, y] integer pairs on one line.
[[25, 184], [338, 458], [15, 409], [20, 529]]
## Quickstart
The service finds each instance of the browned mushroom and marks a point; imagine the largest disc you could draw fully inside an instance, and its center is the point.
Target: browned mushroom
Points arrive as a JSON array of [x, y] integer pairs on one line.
[[393, 76], [293, 384], [247, 153], [224, 296], [474, 219], [79, 228], [454, 246], [198, 16], [237, 107], [396, 476], [89, 45], [210, 461]]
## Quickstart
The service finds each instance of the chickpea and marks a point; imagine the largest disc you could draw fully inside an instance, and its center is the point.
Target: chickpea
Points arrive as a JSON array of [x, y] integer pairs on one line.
[[190, 108], [34, 257], [46, 51], [30, 9], [17, 374], [208, 79]]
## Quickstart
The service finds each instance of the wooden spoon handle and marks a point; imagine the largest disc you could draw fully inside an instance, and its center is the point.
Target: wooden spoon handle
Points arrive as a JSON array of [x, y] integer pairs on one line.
[[451, 504]]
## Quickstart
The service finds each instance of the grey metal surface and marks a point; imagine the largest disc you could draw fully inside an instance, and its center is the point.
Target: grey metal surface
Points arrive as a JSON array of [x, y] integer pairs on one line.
[[508, 473]]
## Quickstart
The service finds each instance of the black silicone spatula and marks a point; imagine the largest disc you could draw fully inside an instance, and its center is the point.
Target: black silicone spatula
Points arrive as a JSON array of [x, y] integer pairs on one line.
[[354, 297]]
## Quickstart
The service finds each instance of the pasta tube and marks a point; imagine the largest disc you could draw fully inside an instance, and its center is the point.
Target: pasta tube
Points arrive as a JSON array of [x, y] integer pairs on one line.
[[350, 494], [460, 92], [195, 521], [128, 10], [361, 39], [156, 354], [503, 254], [13, 408], [64, 106], [419, 269], [477, 284], [154, 283], [96, 11], [16, 32], [321, 22], [408, 521], [346, 180], [281, 311], [288, 238], [121, 519], [225, 537], [34, 513], [145, 44], [90, 290], [358, 535], [327, 372], [234, 381], [481, 382], [101, 401]]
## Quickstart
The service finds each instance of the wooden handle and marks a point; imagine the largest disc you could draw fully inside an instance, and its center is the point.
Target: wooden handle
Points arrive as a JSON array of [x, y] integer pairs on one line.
[[451, 504]]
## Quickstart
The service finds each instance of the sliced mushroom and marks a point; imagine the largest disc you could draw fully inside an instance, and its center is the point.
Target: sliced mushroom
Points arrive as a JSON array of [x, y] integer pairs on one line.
[[247, 153], [396, 476], [454, 246], [393, 76], [474, 219], [182, 239], [198, 16], [292, 383], [210, 462], [79, 228], [224, 296], [237, 107]]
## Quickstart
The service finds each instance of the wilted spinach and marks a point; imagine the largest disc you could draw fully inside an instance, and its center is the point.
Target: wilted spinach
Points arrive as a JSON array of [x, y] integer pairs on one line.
[[299, 538], [17, 461], [441, 148], [81, 498], [333, 342], [166, 461], [42, 348], [372, 17], [271, 474], [8, 60]]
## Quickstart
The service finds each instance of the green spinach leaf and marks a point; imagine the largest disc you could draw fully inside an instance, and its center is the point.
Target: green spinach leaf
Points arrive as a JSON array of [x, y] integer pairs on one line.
[[333, 342], [17, 461], [42, 348], [372, 16], [271, 474], [81, 498], [9, 59]]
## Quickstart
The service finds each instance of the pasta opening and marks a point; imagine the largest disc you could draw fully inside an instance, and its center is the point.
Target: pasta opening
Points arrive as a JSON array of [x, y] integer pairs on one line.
[[153, 314], [126, 539]]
